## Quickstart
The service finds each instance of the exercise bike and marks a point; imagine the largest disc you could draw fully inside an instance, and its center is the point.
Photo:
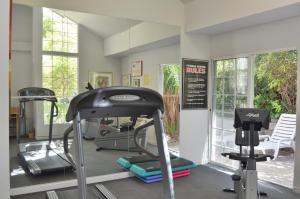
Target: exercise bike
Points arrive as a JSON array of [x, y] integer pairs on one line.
[[120, 137], [248, 122]]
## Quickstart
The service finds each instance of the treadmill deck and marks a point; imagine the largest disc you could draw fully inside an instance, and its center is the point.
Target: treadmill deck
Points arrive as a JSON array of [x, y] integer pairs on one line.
[[40, 160]]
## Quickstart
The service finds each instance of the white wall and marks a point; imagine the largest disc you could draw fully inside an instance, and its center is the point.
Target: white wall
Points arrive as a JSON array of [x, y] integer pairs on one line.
[[4, 100], [27, 64], [166, 11], [92, 59], [194, 123], [151, 62], [117, 43], [268, 37], [140, 35], [21, 55], [271, 36], [204, 13], [151, 66]]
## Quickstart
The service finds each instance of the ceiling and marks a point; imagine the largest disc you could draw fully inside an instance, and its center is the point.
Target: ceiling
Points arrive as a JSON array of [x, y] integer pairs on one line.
[[103, 26], [186, 1]]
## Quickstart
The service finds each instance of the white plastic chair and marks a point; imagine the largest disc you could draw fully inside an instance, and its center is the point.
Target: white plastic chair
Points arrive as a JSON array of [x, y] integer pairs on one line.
[[283, 135]]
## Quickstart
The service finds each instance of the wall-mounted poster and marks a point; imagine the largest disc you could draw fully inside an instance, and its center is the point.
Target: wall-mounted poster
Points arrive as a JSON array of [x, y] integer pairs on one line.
[[137, 68], [194, 84], [100, 80]]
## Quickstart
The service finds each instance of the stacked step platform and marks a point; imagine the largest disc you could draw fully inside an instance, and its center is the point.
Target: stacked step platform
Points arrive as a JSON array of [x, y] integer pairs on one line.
[[148, 169]]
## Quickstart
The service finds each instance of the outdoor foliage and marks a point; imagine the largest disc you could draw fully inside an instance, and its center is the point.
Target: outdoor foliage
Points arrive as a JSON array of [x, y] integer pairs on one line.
[[171, 83], [60, 63], [276, 82]]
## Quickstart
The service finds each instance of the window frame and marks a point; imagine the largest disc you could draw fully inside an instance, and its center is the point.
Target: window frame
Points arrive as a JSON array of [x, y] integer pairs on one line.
[[59, 54], [213, 94]]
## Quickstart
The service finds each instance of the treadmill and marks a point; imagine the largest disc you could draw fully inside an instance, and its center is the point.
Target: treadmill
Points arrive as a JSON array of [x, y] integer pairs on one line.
[[114, 102], [40, 157]]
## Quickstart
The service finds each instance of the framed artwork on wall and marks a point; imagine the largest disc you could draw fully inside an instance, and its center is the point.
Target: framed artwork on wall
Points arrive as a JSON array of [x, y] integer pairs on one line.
[[136, 82], [137, 68], [126, 80], [100, 79]]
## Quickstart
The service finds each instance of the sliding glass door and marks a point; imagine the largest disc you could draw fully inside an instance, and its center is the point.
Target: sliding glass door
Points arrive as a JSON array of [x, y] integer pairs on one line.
[[231, 90]]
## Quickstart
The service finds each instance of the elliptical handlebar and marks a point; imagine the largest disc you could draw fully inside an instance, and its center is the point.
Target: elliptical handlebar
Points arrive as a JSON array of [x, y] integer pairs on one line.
[[56, 110], [66, 145], [136, 133]]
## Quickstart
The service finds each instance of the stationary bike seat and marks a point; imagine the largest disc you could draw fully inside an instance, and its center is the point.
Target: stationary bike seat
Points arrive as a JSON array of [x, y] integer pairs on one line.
[[245, 157]]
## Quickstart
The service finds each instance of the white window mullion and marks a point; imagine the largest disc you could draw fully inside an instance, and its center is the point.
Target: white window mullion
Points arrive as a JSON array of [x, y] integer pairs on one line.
[[251, 85]]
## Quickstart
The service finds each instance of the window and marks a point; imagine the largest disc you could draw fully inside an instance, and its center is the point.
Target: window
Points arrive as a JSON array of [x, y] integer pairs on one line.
[[59, 61], [230, 92]]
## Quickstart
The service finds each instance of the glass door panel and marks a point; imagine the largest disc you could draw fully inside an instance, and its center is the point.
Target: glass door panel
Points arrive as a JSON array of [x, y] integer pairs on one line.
[[230, 91]]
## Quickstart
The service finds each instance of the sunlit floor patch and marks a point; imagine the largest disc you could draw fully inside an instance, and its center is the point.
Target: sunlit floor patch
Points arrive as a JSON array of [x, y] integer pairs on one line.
[[18, 171], [279, 171]]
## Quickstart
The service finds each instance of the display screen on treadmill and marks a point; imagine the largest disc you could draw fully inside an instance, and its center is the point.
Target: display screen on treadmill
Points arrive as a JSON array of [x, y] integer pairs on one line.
[[124, 98]]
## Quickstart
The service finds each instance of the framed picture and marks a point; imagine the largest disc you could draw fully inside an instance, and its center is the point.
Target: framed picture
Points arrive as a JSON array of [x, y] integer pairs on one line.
[[137, 68], [136, 82], [126, 80], [100, 80]]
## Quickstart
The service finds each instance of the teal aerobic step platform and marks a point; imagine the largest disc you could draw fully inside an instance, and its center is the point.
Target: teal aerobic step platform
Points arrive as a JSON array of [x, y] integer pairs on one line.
[[127, 162], [153, 168]]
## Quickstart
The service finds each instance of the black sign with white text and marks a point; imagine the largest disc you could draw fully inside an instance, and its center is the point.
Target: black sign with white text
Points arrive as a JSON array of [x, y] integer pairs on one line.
[[194, 83]]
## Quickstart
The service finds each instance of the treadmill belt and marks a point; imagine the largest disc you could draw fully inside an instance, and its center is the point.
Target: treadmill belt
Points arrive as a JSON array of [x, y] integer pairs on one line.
[[45, 161]]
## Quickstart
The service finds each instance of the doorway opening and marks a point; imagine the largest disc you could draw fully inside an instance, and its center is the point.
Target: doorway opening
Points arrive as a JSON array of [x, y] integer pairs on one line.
[[170, 90], [275, 88], [267, 80], [230, 91]]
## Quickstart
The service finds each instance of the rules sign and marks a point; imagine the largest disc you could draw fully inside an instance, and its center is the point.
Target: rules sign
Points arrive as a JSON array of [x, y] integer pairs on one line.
[[194, 83]]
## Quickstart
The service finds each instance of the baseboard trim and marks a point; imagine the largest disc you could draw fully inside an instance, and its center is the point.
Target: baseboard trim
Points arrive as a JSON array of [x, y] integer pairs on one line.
[[67, 183]]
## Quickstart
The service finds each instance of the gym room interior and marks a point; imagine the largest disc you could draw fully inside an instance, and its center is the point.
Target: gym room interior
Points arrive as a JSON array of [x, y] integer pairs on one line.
[[149, 99]]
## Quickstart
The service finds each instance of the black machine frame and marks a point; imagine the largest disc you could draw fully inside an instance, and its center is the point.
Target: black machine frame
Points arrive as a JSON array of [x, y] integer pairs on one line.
[[121, 102]]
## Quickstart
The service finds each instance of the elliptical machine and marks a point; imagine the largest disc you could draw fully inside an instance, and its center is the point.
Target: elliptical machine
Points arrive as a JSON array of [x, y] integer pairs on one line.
[[248, 122]]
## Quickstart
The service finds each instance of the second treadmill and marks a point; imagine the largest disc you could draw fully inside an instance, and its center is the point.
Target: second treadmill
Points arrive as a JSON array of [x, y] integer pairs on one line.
[[40, 157]]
